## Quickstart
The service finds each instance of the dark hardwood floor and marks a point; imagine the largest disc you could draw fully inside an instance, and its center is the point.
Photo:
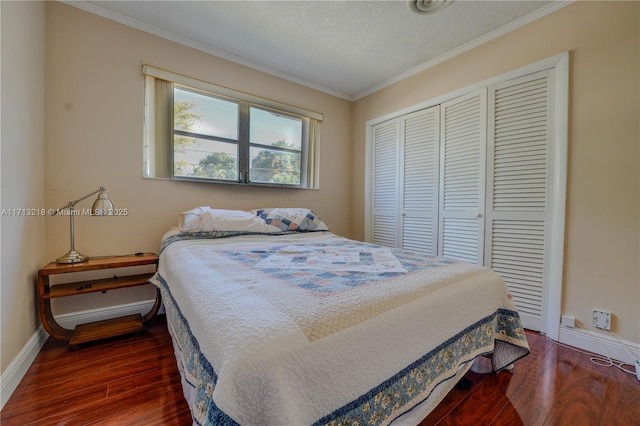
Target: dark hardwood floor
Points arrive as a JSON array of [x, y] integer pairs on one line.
[[134, 381]]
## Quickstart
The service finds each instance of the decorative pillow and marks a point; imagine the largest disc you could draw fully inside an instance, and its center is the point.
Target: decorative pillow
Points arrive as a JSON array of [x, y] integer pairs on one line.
[[292, 219], [205, 219]]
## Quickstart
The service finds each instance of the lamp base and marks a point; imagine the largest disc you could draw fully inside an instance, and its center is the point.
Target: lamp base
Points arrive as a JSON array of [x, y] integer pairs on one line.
[[72, 256]]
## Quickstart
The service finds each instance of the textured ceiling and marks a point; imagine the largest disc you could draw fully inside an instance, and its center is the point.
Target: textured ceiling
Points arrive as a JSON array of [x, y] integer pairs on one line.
[[346, 48]]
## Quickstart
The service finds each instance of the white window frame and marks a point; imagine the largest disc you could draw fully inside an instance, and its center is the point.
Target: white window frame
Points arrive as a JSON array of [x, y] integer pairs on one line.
[[156, 146]]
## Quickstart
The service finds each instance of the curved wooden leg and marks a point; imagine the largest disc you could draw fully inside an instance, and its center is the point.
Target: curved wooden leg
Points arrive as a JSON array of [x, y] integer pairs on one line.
[[49, 322], [154, 308]]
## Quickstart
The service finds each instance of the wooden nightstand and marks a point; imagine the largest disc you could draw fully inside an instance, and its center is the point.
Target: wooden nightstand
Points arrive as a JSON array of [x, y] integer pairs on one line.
[[99, 329]]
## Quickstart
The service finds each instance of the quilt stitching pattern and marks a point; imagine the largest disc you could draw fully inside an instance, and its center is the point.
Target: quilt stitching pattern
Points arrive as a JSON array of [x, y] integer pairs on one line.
[[335, 267], [415, 383], [382, 404], [197, 369]]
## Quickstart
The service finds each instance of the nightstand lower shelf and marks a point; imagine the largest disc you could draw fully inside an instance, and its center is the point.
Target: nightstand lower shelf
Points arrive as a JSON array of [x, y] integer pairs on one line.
[[107, 328]]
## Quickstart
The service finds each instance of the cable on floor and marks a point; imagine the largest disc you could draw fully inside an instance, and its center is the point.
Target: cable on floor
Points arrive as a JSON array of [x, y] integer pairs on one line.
[[601, 360]]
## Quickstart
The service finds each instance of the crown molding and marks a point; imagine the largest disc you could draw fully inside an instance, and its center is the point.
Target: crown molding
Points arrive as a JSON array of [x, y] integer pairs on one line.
[[185, 41], [168, 35], [511, 26]]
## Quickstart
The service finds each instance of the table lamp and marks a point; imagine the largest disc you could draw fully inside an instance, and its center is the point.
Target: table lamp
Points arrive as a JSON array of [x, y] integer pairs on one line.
[[101, 207]]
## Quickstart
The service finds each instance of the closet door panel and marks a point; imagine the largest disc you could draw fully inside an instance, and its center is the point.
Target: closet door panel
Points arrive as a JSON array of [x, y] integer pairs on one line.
[[420, 146], [385, 185], [459, 238], [462, 177], [518, 193]]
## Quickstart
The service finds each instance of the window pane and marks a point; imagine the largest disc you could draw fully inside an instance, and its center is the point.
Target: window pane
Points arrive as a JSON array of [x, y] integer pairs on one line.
[[203, 158], [273, 129], [206, 115], [274, 166]]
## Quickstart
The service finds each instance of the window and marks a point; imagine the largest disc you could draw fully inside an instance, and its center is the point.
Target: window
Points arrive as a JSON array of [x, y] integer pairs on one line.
[[205, 136], [200, 132], [275, 147]]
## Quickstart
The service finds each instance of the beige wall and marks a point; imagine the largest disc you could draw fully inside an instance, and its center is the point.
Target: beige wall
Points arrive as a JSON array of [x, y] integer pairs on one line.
[[602, 254], [94, 122], [22, 172]]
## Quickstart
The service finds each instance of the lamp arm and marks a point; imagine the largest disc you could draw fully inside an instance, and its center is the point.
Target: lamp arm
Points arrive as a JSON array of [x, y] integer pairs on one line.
[[71, 204]]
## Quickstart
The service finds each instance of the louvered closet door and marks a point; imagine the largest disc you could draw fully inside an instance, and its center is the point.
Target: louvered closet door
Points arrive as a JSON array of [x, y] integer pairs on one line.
[[518, 192], [385, 185], [419, 184], [462, 176]]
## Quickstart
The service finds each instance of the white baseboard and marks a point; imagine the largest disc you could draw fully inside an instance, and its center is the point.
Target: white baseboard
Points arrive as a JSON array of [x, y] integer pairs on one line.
[[14, 373], [82, 317], [600, 343]]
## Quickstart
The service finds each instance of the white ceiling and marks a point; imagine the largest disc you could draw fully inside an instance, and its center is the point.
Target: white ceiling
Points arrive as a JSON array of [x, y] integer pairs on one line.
[[345, 48]]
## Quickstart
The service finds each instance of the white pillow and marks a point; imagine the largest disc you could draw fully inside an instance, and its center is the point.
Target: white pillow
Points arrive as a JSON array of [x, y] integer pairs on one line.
[[191, 220], [205, 219], [232, 220]]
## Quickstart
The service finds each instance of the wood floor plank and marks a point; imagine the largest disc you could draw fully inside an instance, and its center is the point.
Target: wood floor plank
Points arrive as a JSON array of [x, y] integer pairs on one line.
[[627, 410], [157, 376], [32, 410], [582, 395], [133, 380], [91, 385], [482, 405], [455, 397], [155, 402], [534, 385]]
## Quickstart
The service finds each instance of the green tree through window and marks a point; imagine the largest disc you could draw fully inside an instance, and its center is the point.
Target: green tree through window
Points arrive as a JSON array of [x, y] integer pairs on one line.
[[217, 165], [268, 166], [276, 166]]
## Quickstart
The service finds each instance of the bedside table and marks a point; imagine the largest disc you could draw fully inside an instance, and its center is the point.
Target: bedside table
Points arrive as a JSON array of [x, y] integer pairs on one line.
[[99, 329]]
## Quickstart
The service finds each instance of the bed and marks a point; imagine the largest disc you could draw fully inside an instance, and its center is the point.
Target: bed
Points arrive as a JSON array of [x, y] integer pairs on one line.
[[277, 321]]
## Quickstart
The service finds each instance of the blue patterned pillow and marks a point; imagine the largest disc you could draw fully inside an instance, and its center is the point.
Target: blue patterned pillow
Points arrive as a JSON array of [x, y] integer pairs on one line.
[[292, 219]]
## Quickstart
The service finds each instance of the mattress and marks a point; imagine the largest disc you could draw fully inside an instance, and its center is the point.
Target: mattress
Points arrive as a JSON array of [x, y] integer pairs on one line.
[[309, 328]]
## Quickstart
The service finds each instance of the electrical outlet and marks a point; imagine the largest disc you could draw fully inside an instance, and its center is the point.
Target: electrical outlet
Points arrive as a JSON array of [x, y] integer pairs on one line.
[[602, 319], [568, 321]]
